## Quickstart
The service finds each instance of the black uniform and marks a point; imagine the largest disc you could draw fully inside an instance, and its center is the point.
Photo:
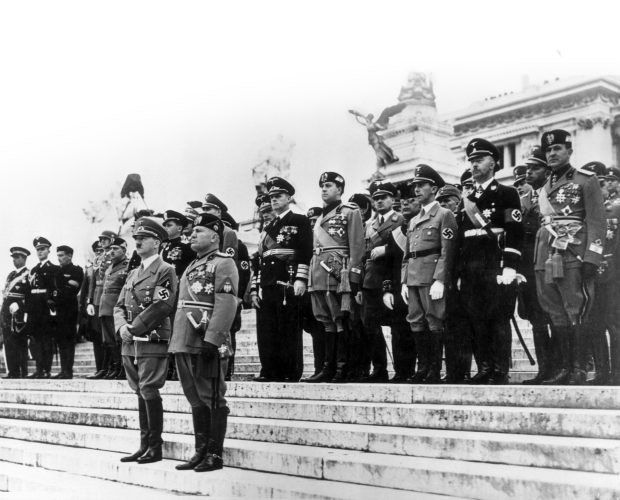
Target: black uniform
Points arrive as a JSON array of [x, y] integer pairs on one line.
[[285, 248], [12, 325], [243, 268], [178, 254], [67, 315], [41, 299], [487, 244]]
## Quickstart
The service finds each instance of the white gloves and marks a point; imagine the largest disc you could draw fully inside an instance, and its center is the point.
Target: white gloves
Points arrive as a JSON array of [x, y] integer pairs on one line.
[[90, 310], [507, 277], [388, 300], [404, 293], [377, 252], [14, 307], [299, 287], [358, 298], [255, 300], [436, 291], [125, 334]]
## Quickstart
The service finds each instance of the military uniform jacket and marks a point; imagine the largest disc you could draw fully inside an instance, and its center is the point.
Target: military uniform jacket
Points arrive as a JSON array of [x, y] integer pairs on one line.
[[67, 291], [96, 285], [433, 236], [113, 281], [243, 268], [394, 252], [531, 225], [377, 235], [42, 292], [14, 292], [610, 265], [145, 302], [285, 249], [207, 304], [500, 206], [339, 243], [572, 206], [178, 254], [230, 243]]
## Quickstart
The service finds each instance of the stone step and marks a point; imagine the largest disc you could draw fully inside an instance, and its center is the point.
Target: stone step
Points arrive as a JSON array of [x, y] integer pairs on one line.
[[586, 454], [502, 419], [229, 482], [583, 397], [428, 475]]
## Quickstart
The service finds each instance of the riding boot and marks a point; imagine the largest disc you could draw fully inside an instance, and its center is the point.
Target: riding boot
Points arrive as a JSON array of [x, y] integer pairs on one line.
[[155, 413], [213, 459], [562, 372], [341, 358], [329, 366], [434, 357], [424, 346], [578, 355], [201, 419], [600, 351], [144, 433], [541, 346]]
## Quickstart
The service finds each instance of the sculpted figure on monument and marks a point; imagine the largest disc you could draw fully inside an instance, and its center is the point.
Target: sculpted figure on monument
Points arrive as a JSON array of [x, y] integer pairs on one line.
[[418, 87], [384, 153]]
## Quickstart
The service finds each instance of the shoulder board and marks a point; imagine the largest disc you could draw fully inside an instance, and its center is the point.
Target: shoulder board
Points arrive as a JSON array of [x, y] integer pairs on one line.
[[352, 206], [585, 172], [223, 255]]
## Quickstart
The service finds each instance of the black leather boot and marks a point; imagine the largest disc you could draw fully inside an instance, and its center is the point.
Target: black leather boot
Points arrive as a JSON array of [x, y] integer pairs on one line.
[[423, 346], [215, 449], [329, 366], [562, 372], [434, 357], [155, 413], [600, 351], [341, 358], [201, 418], [578, 374], [144, 433]]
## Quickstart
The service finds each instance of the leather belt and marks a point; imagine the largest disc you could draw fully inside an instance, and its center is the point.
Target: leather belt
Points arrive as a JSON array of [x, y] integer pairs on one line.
[[549, 219], [38, 290], [423, 253], [194, 303], [470, 233], [16, 295], [279, 251], [340, 248]]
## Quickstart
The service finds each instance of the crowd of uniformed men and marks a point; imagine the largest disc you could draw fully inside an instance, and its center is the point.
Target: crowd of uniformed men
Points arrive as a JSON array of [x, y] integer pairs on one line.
[[444, 266]]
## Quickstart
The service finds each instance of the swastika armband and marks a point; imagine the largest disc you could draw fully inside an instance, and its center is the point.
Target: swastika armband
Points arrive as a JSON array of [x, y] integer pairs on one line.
[[162, 293]]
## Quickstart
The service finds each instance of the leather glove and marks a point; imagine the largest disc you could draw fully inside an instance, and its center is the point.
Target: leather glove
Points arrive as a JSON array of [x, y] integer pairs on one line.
[[90, 310], [507, 277], [359, 298], [209, 351], [588, 270], [255, 300], [377, 252], [299, 287], [388, 300], [14, 307], [125, 334], [404, 293], [436, 291]]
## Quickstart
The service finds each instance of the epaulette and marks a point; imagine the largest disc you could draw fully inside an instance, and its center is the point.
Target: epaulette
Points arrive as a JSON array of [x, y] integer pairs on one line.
[[347, 204], [585, 172], [223, 254]]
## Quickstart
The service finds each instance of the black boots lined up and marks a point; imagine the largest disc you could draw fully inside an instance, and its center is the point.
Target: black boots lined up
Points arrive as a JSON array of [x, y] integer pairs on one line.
[[151, 418]]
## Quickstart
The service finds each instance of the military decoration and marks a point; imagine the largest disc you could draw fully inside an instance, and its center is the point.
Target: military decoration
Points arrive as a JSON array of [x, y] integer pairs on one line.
[[285, 235]]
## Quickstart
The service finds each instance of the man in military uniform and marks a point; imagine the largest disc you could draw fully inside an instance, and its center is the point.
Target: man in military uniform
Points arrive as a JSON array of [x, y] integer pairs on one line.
[[213, 205], [612, 179], [403, 341], [458, 335], [201, 343], [92, 330], [467, 182], [142, 319], [69, 283], [335, 268], [113, 281], [569, 250], [490, 235], [374, 313], [285, 248], [13, 315], [427, 260], [41, 298], [605, 306], [100, 265], [174, 251], [520, 184], [529, 307]]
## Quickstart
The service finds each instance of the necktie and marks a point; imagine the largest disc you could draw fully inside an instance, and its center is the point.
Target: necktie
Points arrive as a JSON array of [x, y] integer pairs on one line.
[[478, 191], [381, 220]]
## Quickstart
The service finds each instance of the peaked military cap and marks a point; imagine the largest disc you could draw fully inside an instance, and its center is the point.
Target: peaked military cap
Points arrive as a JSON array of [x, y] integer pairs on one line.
[[150, 226], [96, 246], [481, 147], [40, 241], [277, 185], [65, 249], [108, 234], [314, 212], [262, 202], [230, 221], [597, 167], [331, 177], [467, 178], [210, 221], [381, 187], [214, 202], [175, 217], [447, 191], [553, 137], [519, 173], [119, 242], [362, 200], [19, 251], [613, 174], [537, 157], [423, 173], [193, 209], [145, 212]]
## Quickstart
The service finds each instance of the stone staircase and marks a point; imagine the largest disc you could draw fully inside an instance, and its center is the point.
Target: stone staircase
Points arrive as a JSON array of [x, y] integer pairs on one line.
[[322, 441]]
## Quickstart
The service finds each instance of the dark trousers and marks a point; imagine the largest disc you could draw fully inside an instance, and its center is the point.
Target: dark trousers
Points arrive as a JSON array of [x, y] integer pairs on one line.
[[280, 334], [358, 352], [93, 333], [41, 328], [16, 350], [109, 340], [236, 326], [403, 340], [457, 339], [373, 317]]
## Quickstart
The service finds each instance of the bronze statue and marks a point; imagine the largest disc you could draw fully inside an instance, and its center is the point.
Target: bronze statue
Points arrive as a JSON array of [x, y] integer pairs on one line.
[[384, 153]]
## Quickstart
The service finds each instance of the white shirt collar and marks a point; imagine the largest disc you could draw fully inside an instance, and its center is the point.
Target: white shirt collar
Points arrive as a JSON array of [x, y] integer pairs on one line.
[[42, 262], [485, 184], [281, 216], [386, 215], [428, 207], [18, 269], [148, 261]]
